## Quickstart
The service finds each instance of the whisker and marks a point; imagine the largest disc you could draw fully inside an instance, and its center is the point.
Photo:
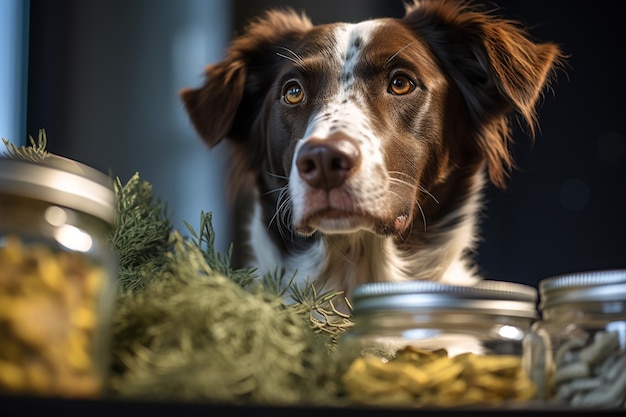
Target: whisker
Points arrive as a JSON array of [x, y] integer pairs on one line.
[[296, 59], [401, 173], [402, 182], [406, 238], [274, 218], [400, 50], [282, 177], [288, 58], [275, 190], [425, 191], [285, 220], [283, 214], [418, 204], [279, 189], [419, 207], [396, 194], [419, 187], [422, 213]]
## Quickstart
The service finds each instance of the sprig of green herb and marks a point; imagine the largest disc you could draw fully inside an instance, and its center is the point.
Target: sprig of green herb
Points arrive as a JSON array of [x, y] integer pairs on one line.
[[36, 152]]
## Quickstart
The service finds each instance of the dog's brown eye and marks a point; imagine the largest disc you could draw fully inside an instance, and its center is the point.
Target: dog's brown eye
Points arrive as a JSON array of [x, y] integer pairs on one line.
[[293, 93], [401, 85]]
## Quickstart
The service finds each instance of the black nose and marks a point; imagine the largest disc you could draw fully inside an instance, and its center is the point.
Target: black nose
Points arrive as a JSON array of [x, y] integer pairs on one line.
[[326, 163]]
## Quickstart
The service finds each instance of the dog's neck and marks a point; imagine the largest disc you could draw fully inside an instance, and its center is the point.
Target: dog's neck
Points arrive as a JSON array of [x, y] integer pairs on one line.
[[436, 249]]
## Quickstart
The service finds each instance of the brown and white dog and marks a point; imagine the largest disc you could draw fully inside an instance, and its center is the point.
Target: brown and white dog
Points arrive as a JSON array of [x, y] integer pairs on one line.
[[365, 146]]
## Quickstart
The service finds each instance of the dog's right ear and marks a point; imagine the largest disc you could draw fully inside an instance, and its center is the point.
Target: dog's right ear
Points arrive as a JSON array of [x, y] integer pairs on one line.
[[233, 90]]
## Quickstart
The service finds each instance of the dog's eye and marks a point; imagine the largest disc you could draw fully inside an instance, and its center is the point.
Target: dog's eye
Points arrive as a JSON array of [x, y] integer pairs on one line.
[[401, 85], [293, 93]]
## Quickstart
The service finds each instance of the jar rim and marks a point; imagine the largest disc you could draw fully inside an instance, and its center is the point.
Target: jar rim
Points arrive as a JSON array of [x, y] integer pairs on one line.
[[586, 286], [61, 181], [486, 296]]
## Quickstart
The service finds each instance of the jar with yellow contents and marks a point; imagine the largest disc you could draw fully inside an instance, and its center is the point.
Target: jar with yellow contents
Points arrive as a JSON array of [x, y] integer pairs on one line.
[[57, 277], [430, 344]]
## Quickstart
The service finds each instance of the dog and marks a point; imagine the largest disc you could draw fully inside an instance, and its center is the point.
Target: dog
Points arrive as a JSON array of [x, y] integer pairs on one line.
[[361, 150]]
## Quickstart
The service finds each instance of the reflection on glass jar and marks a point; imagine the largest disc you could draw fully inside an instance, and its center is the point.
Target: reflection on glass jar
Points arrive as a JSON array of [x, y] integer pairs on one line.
[[431, 344], [583, 329], [57, 277]]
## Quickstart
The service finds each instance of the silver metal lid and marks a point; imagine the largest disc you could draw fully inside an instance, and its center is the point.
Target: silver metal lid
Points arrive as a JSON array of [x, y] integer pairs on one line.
[[601, 285], [488, 297], [61, 181]]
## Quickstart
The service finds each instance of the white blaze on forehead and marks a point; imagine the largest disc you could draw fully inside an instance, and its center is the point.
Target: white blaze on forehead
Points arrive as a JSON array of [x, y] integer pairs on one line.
[[350, 39], [343, 112]]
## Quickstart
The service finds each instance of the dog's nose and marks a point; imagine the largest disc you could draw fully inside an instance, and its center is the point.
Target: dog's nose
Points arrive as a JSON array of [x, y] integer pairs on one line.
[[326, 163]]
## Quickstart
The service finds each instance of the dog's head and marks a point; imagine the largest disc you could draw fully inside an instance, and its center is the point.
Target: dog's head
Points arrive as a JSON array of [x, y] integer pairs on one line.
[[365, 126]]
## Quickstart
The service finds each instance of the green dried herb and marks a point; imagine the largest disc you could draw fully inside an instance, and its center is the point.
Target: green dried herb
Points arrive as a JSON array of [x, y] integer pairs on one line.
[[197, 335], [205, 240], [36, 152], [141, 237]]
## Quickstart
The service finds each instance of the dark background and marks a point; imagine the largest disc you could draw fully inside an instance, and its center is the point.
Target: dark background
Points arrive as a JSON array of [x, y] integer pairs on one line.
[[563, 211]]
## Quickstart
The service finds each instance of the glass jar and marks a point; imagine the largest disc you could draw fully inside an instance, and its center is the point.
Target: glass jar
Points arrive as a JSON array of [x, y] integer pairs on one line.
[[57, 277], [433, 344], [583, 329]]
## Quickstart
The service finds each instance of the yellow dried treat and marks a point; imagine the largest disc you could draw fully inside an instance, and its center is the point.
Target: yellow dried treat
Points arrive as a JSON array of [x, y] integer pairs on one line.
[[38, 376], [492, 383], [421, 378], [414, 355], [48, 319], [413, 379], [442, 371], [361, 383], [470, 396], [11, 376], [456, 388], [84, 318], [382, 369], [395, 398], [13, 251], [500, 364], [36, 321], [524, 388], [77, 348], [49, 271], [93, 281]]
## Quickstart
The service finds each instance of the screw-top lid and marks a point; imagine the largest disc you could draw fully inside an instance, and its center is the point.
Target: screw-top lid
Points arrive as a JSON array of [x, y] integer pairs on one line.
[[601, 285], [486, 297], [60, 181]]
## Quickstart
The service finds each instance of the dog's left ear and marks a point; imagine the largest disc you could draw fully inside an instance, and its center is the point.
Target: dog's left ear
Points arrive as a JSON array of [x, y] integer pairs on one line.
[[230, 98], [496, 66]]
